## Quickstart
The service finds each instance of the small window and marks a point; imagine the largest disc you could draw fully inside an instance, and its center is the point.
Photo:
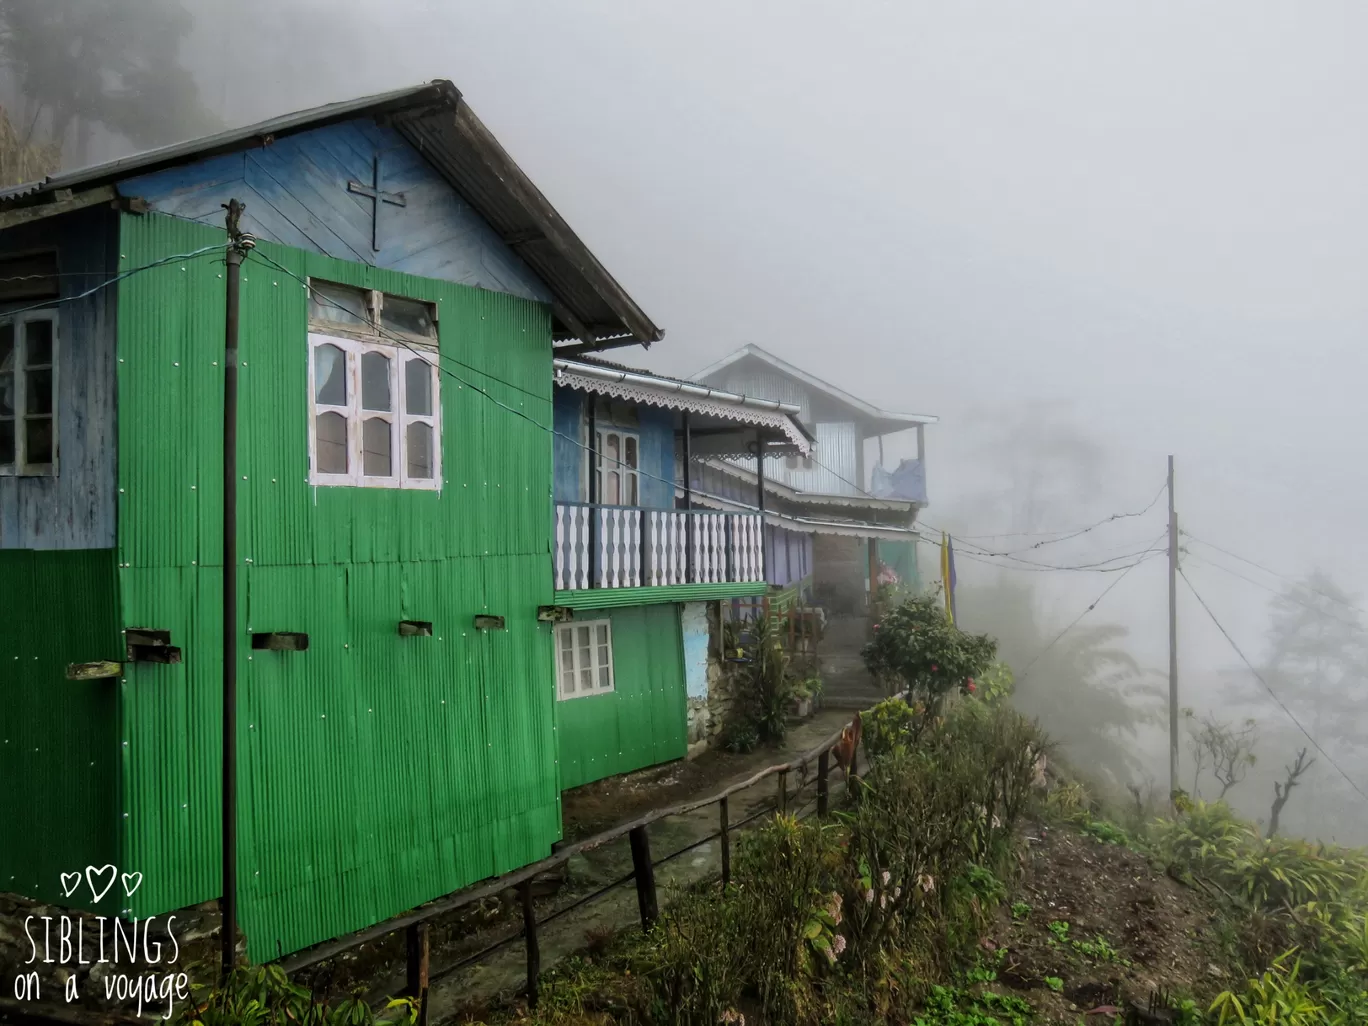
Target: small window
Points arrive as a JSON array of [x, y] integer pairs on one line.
[[28, 394], [374, 414], [367, 314], [619, 468], [584, 659]]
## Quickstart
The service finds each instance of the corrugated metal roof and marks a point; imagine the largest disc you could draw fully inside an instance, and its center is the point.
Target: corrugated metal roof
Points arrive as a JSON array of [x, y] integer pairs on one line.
[[590, 304], [881, 421]]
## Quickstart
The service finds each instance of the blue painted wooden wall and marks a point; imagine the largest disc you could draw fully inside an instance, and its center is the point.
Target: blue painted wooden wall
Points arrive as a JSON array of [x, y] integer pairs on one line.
[[296, 193], [656, 431], [75, 509]]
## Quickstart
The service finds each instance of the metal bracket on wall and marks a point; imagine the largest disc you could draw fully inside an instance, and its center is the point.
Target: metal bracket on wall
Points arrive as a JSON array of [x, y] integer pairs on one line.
[[150, 645], [280, 641], [415, 628], [555, 614], [489, 623]]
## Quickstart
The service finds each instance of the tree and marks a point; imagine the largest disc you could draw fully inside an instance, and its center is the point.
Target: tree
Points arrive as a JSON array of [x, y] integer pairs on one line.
[[111, 63], [1282, 791], [1086, 690], [916, 647], [1227, 750], [1318, 657]]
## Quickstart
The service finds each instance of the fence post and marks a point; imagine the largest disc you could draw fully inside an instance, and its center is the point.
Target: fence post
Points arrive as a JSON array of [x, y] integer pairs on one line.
[[645, 521], [728, 539], [645, 876], [533, 947], [783, 792], [726, 844], [823, 768], [418, 951]]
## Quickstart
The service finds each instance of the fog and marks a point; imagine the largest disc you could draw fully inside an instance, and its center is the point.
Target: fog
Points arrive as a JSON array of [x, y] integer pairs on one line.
[[1138, 226]]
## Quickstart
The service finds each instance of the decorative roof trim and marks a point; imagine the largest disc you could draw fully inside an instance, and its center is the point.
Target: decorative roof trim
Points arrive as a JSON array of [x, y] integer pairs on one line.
[[666, 394], [810, 525], [726, 466]]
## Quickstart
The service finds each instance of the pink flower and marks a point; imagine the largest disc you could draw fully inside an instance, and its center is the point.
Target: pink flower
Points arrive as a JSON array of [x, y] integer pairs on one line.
[[970, 687], [885, 877], [883, 901], [869, 896], [830, 955], [935, 668], [732, 1016], [928, 882], [838, 944]]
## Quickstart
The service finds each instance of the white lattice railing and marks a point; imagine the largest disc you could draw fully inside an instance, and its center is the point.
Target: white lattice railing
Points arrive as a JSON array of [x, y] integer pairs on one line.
[[622, 547]]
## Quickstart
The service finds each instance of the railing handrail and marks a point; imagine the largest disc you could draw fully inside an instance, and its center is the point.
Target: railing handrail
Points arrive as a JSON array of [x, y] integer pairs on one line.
[[460, 899], [659, 509]]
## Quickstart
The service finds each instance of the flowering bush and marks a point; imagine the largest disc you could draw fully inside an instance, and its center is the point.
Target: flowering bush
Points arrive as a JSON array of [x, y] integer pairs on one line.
[[918, 650]]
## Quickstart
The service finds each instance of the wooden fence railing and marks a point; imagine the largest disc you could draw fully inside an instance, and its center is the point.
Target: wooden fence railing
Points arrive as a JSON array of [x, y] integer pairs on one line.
[[415, 923]]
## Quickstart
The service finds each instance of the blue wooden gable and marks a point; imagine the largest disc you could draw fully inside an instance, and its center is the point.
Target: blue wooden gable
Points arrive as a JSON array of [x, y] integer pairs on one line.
[[355, 191]]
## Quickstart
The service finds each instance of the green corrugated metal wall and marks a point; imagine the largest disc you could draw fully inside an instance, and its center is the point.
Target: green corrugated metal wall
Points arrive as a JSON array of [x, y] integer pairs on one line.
[[376, 771], [643, 722], [58, 737]]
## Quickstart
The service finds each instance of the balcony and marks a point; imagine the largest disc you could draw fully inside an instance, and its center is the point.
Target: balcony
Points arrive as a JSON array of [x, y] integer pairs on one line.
[[629, 547]]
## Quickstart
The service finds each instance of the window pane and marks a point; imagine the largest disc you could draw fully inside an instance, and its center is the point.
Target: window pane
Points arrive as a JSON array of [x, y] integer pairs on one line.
[[605, 681], [375, 382], [330, 376], [584, 639], [603, 634], [6, 395], [586, 679], [6, 347], [38, 343], [38, 391], [376, 446], [6, 441], [614, 455], [614, 494], [568, 682], [408, 316], [338, 304], [631, 497], [418, 450], [38, 440], [630, 447], [418, 388], [330, 432]]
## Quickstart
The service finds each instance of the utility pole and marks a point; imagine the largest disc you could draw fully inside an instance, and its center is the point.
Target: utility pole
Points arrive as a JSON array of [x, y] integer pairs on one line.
[[238, 245], [1173, 637]]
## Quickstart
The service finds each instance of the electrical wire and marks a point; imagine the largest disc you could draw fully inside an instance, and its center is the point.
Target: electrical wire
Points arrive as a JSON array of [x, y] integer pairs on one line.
[[1092, 527], [1100, 567], [1091, 606], [121, 276], [1204, 561], [603, 456], [1272, 694], [1273, 573]]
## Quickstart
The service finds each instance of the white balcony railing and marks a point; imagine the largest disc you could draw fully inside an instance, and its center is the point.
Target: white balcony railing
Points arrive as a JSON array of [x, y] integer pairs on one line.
[[629, 547]]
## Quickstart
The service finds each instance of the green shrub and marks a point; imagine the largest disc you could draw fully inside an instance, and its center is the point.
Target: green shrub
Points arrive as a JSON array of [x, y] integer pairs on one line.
[[265, 996], [920, 651]]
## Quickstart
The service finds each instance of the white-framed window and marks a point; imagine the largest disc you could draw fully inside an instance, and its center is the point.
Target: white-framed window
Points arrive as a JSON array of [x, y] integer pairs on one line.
[[584, 659], [28, 394], [374, 395], [795, 462], [619, 466]]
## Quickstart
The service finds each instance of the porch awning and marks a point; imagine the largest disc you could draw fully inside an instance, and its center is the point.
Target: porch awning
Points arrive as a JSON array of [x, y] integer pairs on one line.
[[719, 418]]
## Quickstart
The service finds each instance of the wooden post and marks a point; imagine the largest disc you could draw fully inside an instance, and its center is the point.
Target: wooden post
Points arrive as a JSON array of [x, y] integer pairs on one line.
[[645, 877], [726, 843], [782, 805], [690, 528], [823, 770], [419, 950], [533, 947], [593, 457]]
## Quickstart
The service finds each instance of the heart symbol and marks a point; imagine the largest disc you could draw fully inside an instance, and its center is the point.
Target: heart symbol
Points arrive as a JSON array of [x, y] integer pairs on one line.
[[70, 881], [92, 874], [137, 882]]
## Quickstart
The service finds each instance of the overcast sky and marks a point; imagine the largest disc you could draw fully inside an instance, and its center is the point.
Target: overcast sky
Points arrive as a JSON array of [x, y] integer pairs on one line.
[[1149, 217]]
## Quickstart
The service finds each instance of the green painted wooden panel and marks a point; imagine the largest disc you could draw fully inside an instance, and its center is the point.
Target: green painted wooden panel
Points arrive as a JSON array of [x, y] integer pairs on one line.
[[376, 772], [643, 722], [58, 737]]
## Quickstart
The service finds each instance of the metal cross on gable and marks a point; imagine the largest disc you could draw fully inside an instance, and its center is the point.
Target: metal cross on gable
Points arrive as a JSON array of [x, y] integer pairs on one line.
[[376, 196]]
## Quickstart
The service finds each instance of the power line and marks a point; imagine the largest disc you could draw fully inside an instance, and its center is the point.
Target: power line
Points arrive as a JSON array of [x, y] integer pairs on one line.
[[1093, 605], [121, 276], [1204, 561], [1101, 566], [1273, 573], [1272, 694], [1091, 527]]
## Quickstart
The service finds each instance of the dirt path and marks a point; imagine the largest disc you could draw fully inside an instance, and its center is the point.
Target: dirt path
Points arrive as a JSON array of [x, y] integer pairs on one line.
[[598, 807]]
